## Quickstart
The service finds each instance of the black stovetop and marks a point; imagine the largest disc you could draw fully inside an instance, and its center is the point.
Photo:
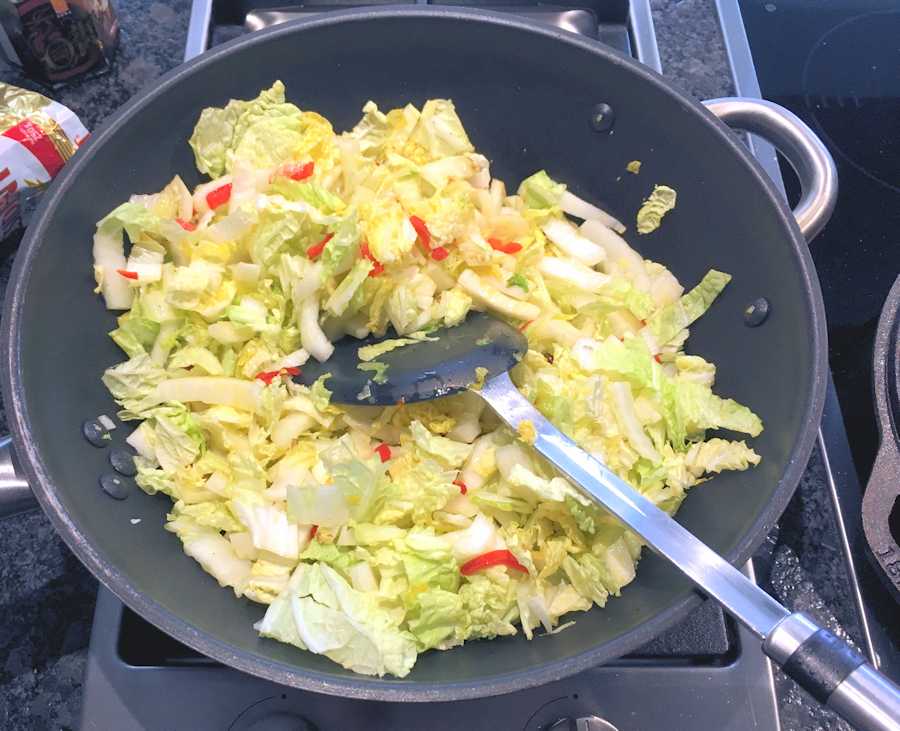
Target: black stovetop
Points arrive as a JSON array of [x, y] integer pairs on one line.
[[836, 63], [705, 673]]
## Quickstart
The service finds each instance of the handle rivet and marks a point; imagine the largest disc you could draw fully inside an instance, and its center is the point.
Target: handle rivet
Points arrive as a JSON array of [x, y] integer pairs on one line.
[[602, 117], [756, 312]]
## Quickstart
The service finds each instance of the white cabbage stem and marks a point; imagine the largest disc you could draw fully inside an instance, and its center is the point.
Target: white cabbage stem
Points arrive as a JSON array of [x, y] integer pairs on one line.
[[572, 272], [496, 301], [311, 335], [109, 256], [290, 427], [362, 577], [618, 251], [234, 392], [629, 423], [566, 237], [575, 206]]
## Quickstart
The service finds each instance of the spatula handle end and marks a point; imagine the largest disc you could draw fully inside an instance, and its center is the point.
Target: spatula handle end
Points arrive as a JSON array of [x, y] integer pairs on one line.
[[834, 674]]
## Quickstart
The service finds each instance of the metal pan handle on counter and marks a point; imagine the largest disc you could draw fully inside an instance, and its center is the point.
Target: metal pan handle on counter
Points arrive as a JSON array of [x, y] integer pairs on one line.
[[801, 147], [15, 494]]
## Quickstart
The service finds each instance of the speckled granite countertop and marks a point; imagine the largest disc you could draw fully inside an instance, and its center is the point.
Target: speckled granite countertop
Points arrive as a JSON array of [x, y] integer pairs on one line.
[[47, 597]]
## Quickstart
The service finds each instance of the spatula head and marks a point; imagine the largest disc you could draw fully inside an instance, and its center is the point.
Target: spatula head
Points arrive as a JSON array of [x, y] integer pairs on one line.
[[444, 364]]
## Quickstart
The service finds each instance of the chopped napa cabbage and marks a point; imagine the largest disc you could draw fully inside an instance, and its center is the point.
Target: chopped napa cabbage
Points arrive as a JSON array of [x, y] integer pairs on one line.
[[133, 383], [693, 407], [657, 205], [717, 455], [586, 572], [340, 298], [360, 526], [268, 525], [320, 612], [265, 122], [541, 191], [495, 300], [213, 552], [437, 619], [378, 133], [448, 451], [517, 280], [438, 132], [109, 250], [371, 352], [388, 231], [225, 391], [354, 490], [378, 369], [177, 440], [337, 256], [668, 321]]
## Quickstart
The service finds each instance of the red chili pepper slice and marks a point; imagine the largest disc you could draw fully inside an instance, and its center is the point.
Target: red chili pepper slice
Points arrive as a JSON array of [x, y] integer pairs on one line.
[[297, 171], [507, 247], [218, 197], [383, 451], [377, 266], [657, 358], [439, 253], [186, 225], [491, 558], [267, 376], [524, 325], [127, 274], [313, 531], [314, 251], [422, 231], [461, 485]]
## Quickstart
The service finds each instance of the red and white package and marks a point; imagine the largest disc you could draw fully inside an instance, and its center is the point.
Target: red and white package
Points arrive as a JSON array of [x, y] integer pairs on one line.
[[37, 137]]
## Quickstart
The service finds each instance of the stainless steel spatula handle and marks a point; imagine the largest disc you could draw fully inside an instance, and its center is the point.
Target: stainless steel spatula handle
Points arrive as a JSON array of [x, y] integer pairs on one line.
[[827, 667]]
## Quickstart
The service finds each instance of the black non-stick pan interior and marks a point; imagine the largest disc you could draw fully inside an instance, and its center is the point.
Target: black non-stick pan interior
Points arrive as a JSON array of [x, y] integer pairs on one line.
[[526, 96]]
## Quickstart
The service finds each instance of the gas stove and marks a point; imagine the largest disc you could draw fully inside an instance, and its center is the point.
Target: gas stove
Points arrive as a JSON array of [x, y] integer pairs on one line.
[[704, 673]]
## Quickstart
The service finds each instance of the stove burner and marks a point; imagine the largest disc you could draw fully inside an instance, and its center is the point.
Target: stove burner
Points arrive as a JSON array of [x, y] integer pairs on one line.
[[856, 103], [585, 723], [271, 714]]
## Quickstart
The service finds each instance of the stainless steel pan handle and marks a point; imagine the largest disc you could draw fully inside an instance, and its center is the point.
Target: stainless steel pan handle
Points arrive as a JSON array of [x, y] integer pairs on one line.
[[15, 494], [801, 147], [820, 662]]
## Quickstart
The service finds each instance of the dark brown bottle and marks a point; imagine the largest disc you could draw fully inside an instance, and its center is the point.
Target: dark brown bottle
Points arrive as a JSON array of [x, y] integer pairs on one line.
[[59, 40]]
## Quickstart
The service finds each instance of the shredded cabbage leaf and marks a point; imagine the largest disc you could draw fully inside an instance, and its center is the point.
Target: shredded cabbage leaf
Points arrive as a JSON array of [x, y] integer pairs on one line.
[[658, 204]]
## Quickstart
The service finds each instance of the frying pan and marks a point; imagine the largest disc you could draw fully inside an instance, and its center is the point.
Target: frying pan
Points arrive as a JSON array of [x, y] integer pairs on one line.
[[529, 97]]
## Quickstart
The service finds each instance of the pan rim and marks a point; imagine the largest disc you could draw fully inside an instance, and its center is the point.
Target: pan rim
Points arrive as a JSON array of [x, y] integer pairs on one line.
[[362, 687]]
